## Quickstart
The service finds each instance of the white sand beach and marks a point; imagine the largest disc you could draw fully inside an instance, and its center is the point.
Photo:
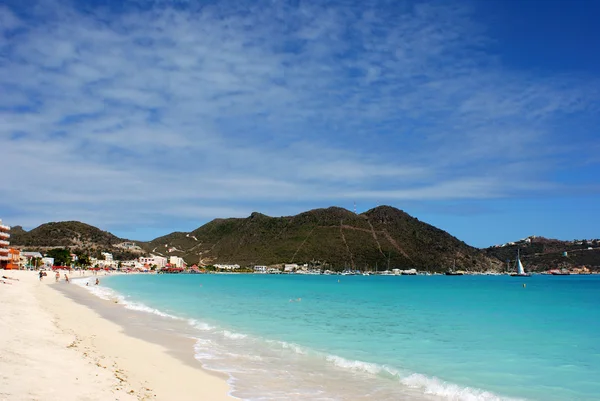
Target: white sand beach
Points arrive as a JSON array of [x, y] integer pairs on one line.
[[52, 348]]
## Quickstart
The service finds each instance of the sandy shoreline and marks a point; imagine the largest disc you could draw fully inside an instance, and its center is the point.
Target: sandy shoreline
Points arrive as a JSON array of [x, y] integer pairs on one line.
[[53, 348]]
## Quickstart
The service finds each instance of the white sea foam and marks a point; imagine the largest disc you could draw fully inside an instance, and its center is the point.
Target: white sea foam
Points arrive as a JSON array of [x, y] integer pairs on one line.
[[211, 352], [429, 385], [246, 357], [203, 350], [217, 358], [200, 325], [233, 336], [450, 391], [99, 291], [291, 346], [111, 295], [144, 308], [204, 342], [360, 366]]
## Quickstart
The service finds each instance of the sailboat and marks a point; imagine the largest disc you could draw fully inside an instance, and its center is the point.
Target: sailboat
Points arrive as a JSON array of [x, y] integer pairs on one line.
[[453, 272], [520, 270]]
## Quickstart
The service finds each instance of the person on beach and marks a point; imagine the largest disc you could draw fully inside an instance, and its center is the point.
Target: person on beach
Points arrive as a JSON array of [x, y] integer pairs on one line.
[[97, 281], [10, 278], [41, 274], [57, 276], [66, 278]]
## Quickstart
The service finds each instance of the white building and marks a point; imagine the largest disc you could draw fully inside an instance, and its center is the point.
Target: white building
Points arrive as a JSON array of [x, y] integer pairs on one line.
[[228, 267], [290, 267], [260, 269], [5, 258], [132, 264], [176, 261], [108, 261], [31, 255], [47, 262], [153, 260], [29, 258]]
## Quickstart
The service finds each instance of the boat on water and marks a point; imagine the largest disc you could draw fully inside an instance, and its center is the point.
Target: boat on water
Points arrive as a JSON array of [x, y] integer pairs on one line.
[[453, 272], [557, 272], [520, 269]]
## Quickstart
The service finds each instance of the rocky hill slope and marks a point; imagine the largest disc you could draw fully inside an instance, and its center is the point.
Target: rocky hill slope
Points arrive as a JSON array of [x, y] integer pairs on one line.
[[73, 235], [334, 237], [541, 254]]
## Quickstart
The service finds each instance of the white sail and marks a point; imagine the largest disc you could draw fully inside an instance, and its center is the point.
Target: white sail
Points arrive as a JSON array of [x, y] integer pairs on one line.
[[520, 269]]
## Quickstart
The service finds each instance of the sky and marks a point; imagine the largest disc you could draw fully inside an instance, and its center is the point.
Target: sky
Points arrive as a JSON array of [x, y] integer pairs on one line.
[[144, 117]]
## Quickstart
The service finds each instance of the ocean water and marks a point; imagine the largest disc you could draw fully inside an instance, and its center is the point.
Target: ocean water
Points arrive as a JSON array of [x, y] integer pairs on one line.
[[296, 337]]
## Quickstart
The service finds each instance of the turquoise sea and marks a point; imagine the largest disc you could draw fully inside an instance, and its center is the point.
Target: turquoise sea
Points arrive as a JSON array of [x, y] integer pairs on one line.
[[299, 337]]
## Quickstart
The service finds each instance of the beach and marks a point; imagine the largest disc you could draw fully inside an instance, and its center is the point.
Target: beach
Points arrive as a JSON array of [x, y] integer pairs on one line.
[[177, 337], [374, 338], [54, 348]]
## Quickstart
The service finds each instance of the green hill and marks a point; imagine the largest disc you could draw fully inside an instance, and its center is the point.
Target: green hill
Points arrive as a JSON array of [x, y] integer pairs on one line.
[[540, 254], [333, 237], [73, 235], [16, 230], [65, 233]]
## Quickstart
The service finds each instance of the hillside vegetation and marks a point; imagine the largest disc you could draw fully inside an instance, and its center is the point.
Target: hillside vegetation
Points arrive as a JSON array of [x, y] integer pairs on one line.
[[540, 254], [332, 237], [73, 235]]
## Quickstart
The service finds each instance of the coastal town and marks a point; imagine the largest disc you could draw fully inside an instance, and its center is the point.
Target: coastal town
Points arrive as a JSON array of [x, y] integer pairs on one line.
[[13, 258]]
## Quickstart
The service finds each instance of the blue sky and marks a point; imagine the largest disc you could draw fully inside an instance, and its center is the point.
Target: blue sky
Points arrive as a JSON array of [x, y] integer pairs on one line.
[[145, 117]]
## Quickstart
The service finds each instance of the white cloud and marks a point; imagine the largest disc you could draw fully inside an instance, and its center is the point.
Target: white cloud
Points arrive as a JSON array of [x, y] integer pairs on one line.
[[196, 111]]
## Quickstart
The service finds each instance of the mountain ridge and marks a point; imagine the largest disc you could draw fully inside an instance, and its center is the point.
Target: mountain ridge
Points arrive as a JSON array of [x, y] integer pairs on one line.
[[73, 235], [383, 236], [335, 237], [541, 253]]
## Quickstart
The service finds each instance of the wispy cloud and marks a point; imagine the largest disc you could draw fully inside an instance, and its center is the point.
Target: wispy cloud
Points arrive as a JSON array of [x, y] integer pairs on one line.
[[140, 112]]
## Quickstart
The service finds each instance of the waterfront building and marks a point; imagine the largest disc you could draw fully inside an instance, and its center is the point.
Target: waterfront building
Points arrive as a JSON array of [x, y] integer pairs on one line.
[[176, 261], [31, 259], [4, 242], [290, 267], [227, 267], [47, 263], [153, 260], [14, 259]]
